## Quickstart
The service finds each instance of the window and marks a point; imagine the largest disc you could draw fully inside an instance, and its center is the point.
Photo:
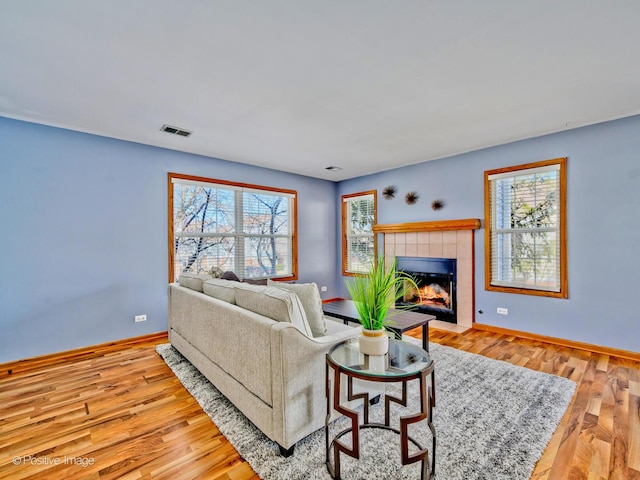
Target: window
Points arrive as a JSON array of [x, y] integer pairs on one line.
[[358, 239], [244, 228], [525, 240]]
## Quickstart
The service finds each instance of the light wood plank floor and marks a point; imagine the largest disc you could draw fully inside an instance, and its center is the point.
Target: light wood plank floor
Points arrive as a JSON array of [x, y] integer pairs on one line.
[[122, 414]]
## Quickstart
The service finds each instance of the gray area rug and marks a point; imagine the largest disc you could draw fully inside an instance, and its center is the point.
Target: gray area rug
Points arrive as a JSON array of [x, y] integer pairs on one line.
[[493, 421]]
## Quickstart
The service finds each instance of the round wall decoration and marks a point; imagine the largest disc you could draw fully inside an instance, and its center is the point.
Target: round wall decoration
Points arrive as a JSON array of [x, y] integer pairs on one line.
[[411, 198], [389, 192], [437, 204]]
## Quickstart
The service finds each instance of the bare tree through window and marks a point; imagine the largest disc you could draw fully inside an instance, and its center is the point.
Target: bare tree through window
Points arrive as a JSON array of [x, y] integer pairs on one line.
[[244, 230]]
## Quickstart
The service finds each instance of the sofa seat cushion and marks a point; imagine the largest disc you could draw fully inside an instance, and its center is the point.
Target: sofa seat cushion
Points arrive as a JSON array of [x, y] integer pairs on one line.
[[309, 295], [275, 303], [220, 289], [193, 281]]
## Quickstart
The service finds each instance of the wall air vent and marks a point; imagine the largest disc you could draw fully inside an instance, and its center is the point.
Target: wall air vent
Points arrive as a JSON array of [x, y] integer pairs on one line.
[[176, 131]]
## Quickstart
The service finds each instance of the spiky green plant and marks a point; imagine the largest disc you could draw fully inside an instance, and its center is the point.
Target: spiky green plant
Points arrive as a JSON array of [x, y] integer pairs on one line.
[[377, 292]]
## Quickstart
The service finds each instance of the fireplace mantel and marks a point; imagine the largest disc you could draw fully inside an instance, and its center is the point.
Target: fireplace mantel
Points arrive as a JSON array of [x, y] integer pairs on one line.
[[438, 225]]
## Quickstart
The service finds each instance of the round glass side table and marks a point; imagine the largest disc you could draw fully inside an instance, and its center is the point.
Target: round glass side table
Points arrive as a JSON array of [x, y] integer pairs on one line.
[[403, 363]]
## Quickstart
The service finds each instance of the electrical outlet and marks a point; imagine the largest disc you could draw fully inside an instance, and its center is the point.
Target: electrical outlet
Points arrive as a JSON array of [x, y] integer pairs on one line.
[[323, 289], [140, 318], [503, 311]]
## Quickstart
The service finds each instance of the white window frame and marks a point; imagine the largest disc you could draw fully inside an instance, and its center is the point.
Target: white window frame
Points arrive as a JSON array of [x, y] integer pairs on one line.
[[349, 265], [501, 236], [240, 237]]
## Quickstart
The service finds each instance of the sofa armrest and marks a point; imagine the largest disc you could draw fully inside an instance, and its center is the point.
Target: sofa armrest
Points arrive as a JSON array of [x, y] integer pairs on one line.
[[298, 379], [337, 337]]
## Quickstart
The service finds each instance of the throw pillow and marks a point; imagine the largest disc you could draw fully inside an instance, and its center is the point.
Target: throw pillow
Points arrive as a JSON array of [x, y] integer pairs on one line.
[[216, 272], [229, 275], [255, 281], [309, 296]]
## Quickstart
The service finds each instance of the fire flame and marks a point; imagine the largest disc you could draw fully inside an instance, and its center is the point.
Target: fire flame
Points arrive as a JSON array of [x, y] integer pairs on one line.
[[434, 294]]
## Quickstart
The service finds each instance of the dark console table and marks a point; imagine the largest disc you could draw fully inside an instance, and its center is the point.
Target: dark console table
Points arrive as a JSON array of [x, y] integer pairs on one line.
[[401, 320]]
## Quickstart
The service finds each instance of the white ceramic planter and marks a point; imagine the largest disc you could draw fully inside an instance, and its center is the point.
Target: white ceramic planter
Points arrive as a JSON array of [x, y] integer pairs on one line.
[[374, 342]]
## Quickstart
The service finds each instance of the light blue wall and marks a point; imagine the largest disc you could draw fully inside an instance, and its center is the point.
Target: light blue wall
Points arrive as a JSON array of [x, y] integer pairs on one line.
[[83, 246], [603, 183], [83, 239]]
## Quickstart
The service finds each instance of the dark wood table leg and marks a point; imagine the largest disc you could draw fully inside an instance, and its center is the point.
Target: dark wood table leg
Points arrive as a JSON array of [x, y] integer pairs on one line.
[[433, 388], [425, 336], [396, 333]]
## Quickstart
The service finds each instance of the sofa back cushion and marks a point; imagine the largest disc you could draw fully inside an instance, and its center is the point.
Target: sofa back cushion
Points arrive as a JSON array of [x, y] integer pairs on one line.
[[193, 281], [220, 289], [309, 296], [275, 303]]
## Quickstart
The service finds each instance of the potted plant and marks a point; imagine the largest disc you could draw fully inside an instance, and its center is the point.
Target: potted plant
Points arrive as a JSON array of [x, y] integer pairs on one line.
[[374, 294]]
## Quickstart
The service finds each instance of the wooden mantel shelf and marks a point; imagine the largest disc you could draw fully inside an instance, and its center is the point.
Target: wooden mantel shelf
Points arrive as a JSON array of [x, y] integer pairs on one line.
[[464, 224]]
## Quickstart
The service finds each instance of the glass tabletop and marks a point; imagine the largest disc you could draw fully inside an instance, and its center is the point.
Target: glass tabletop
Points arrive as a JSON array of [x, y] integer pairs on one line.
[[404, 359]]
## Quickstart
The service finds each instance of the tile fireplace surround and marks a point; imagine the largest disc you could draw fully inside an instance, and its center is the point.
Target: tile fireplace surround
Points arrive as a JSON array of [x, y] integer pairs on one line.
[[439, 239]]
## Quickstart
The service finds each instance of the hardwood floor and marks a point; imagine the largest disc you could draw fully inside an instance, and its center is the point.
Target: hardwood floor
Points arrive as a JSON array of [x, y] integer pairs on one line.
[[599, 436], [123, 414]]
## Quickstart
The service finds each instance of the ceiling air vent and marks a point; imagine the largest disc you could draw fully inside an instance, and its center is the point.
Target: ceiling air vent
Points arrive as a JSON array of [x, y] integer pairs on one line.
[[333, 168], [176, 131]]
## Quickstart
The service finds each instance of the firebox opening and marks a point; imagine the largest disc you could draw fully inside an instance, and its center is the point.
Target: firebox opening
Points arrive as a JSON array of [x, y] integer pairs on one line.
[[434, 295], [436, 280]]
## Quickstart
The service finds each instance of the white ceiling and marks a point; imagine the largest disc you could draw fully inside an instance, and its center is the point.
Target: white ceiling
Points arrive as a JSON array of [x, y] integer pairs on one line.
[[298, 85]]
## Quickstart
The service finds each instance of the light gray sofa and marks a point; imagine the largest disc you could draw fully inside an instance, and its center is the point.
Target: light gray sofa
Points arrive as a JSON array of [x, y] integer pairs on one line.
[[273, 371]]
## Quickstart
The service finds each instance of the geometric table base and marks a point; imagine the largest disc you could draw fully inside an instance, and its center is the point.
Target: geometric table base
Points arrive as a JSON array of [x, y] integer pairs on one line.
[[426, 412]]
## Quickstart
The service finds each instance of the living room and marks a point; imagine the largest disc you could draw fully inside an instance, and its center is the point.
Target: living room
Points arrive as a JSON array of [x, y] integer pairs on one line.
[[85, 220]]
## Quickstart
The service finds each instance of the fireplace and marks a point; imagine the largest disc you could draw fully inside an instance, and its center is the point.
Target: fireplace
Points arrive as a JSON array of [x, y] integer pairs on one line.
[[436, 280], [440, 239]]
